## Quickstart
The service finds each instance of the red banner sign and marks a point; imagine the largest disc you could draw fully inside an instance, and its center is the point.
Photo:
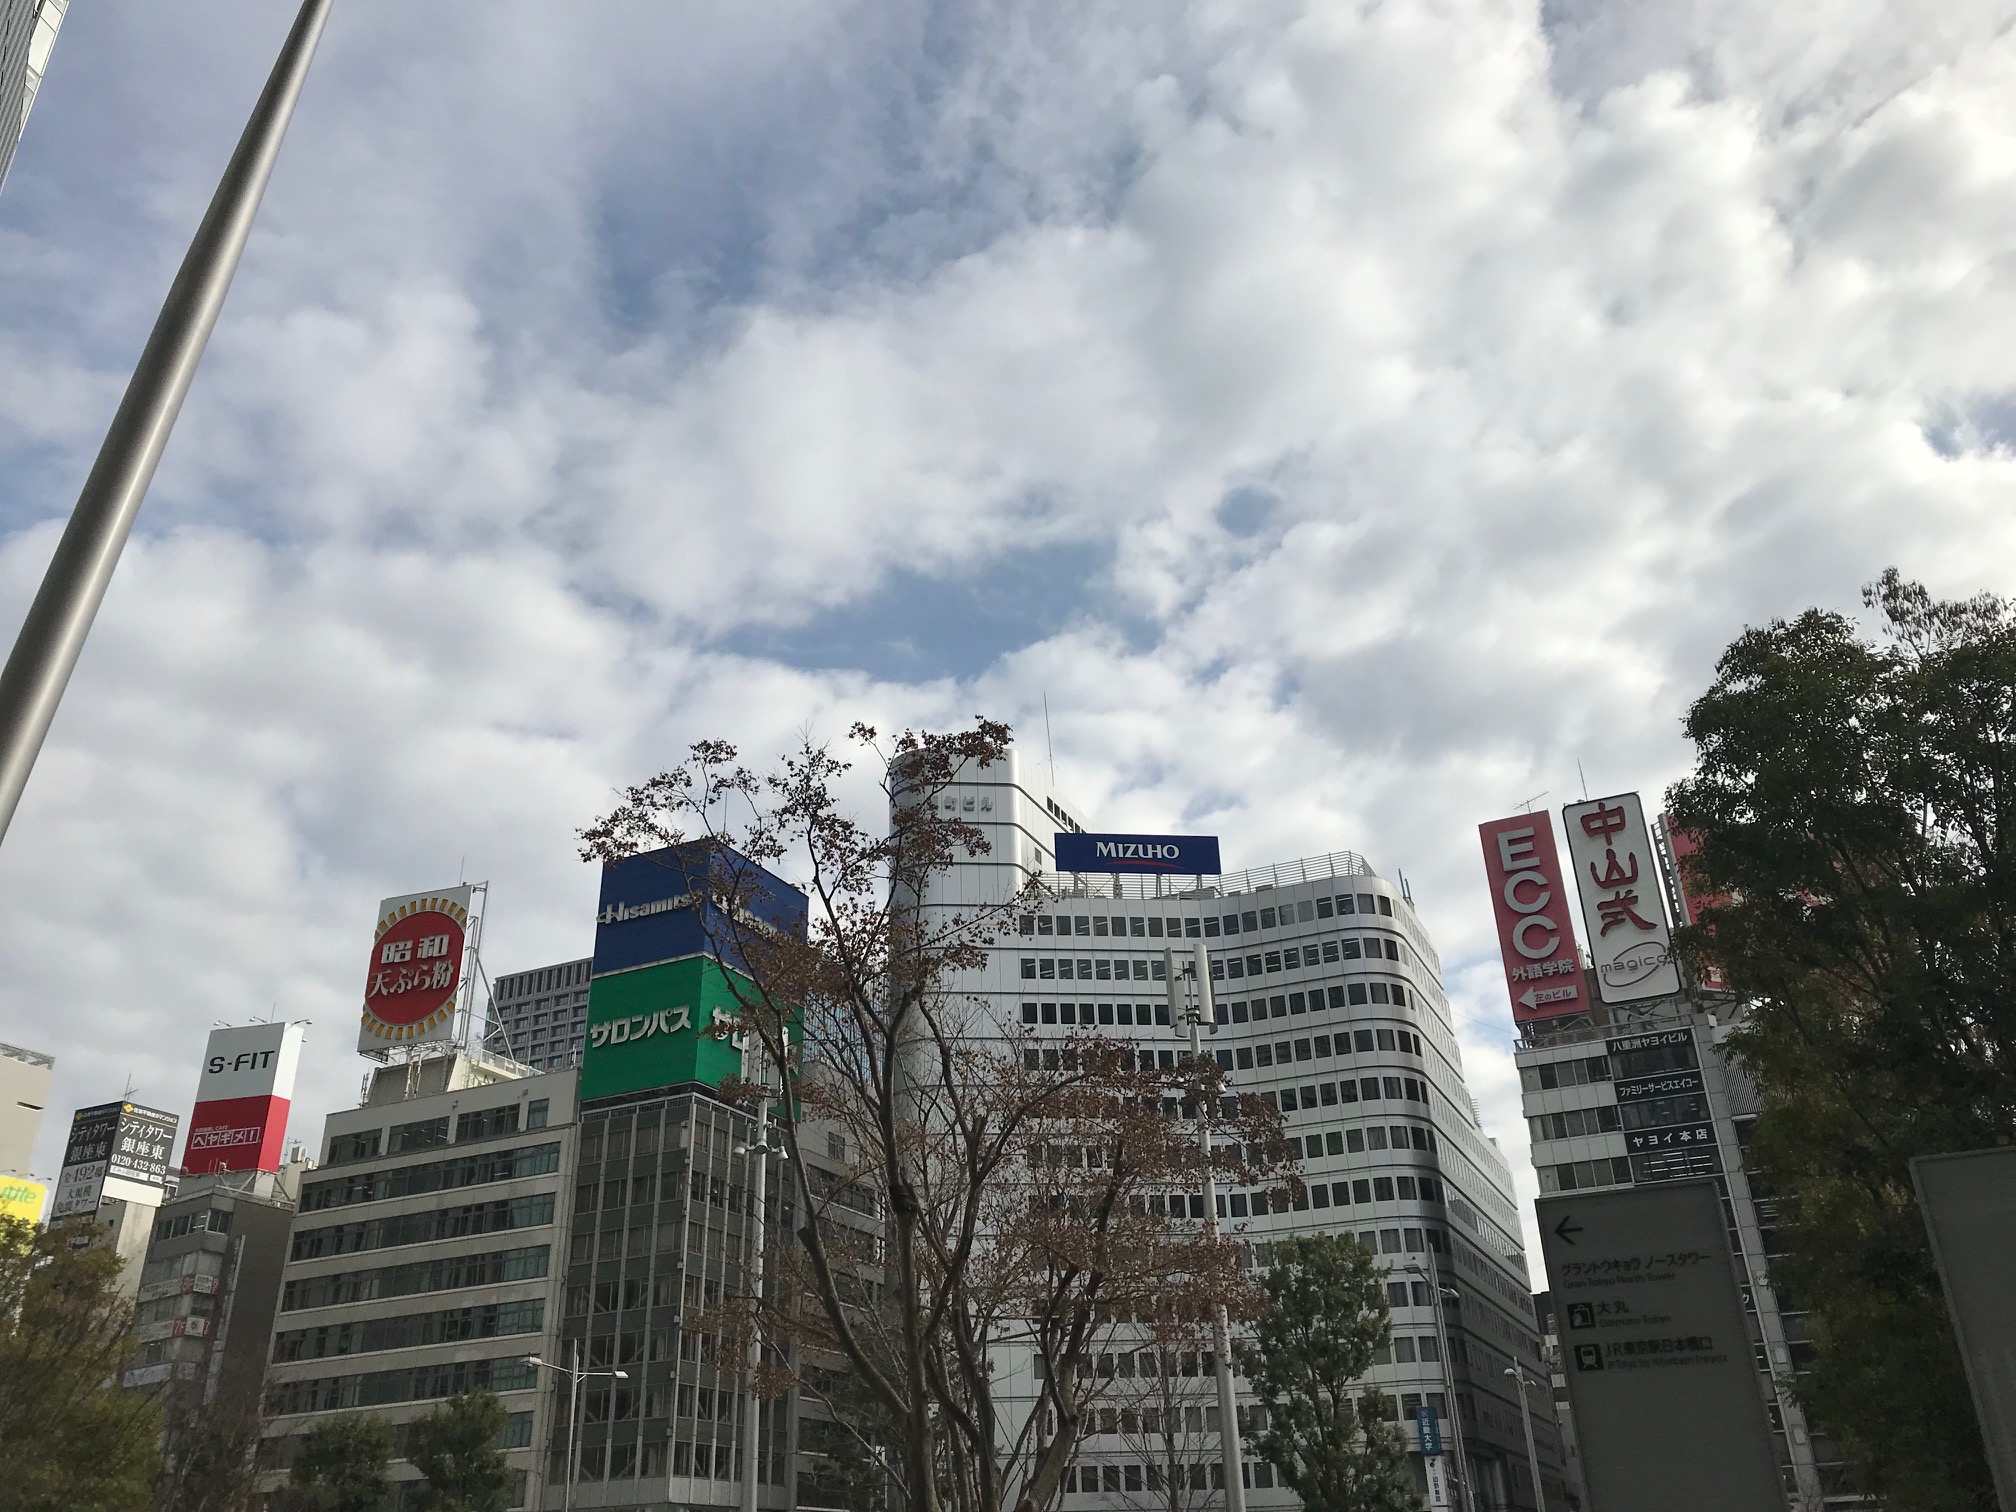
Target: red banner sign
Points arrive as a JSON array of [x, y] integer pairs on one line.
[[1543, 966], [235, 1134]]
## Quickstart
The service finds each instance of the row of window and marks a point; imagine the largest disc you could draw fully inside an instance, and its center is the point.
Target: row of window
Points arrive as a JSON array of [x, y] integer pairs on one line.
[[451, 1325], [415, 1278], [432, 1133], [1350, 1090], [651, 1461], [210, 1220], [1321, 1047], [1198, 1475], [1569, 1073], [1651, 1113], [420, 1228], [1574, 1175], [477, 1169], [417, 1383], [1321, 1195], [1142, 969], [1096, 926]]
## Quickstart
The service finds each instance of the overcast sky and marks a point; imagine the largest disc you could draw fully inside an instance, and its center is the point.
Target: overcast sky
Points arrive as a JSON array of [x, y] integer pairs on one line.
[[1351, 416]]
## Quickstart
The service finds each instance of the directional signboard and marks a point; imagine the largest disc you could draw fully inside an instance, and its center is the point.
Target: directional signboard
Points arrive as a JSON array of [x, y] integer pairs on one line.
[[1969, 1203], [1657, 1351]]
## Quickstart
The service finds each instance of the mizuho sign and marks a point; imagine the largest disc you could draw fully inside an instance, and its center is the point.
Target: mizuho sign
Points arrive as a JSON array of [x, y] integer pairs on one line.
[[1178, 855]]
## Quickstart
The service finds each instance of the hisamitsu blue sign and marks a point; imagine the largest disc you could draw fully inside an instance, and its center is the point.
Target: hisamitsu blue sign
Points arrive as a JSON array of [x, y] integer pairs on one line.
[[660, 906], [1178, 855]]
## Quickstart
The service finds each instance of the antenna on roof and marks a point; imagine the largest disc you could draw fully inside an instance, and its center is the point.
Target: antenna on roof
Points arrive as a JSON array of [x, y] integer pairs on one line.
[[1527, 806], [1048, 749]]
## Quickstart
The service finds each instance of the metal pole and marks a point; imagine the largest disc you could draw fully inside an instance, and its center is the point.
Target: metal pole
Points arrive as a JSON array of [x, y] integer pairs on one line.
[[1518, 1374], [1449, 1370], [1229, 1447], [53, 634], [573, 1424], [759, 1155]]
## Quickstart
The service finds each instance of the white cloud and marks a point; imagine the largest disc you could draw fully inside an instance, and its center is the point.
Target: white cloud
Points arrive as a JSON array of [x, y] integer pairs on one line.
[[1443, 389]]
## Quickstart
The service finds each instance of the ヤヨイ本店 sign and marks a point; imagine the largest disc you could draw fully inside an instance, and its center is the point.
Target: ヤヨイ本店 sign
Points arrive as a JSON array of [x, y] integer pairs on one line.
[[1543, 969], [415, 970]]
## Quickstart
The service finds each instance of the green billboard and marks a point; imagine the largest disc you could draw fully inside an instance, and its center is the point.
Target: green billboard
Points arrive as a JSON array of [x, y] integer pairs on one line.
[[646, 1028]]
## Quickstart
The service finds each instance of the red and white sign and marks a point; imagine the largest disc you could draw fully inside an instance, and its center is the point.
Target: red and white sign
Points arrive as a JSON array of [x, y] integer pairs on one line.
[[1617, 874], [416, 969], [242, 1098], [1681, 845], [1543, 967]]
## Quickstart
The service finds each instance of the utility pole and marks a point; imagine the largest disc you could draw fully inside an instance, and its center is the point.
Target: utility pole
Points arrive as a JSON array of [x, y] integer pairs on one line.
[[1518, 1374], [38, 670], [759, 1161], [1229, 1447]]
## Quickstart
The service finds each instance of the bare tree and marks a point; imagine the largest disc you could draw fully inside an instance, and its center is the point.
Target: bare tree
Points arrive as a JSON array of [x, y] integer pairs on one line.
[[1020, 1190]]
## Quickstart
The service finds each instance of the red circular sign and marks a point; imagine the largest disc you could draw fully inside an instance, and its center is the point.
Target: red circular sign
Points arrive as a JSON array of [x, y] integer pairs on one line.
[[416, 967]]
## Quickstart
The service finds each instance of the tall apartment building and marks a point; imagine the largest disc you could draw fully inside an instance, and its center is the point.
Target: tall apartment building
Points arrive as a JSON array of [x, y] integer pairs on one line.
[[1652, 1096], [1329, 1004], [27, 36], [209, 1287], [422, 1261], [539, 1018]]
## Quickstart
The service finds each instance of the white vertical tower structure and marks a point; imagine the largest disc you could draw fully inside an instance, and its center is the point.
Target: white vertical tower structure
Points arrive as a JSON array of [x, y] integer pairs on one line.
[[27, 36], [1327, 1001]]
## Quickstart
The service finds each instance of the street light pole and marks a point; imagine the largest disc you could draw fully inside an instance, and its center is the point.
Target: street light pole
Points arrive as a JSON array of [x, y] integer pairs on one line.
[[52, 635], [759, 1153], [1433, 1277], [1518, 1374], [574, 1375], [1230, 1450]]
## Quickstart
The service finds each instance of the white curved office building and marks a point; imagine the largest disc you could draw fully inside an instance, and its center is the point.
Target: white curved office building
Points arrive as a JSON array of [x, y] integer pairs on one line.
[[1329, 1004]]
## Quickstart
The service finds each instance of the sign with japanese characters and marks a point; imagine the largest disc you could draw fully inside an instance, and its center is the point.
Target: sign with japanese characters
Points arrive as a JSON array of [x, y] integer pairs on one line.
[[1657, 1351], [667, 1025], [115, 1150], [415, 970], [1694, 903], [1617, 874], [1543, 967], [242, 1099]]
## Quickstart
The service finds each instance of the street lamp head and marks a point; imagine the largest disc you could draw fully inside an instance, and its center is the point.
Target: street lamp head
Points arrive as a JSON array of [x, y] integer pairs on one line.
[[531, 1360], [621, 1375]]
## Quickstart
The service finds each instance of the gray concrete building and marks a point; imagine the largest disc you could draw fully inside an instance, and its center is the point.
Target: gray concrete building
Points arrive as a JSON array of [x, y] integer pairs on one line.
[[24, 1098], [425, 1256], [209, 1287], [539, 1018], [1649, 1094]]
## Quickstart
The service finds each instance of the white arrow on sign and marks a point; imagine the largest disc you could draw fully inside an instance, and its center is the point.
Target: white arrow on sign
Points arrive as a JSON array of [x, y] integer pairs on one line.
[[1532, 997]]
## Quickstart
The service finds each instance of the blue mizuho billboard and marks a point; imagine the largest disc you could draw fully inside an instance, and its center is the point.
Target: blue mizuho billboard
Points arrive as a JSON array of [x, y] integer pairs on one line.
[[1176, 855]]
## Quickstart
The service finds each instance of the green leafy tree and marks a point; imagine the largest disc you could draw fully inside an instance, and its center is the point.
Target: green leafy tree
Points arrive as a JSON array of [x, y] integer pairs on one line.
[[340, 1467], [1324, 1318], [1854, 799], [455, 1448], [75, 1441]]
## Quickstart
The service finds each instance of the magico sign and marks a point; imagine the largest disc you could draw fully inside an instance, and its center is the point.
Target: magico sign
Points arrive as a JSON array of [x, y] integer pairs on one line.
[[1543, 968]]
